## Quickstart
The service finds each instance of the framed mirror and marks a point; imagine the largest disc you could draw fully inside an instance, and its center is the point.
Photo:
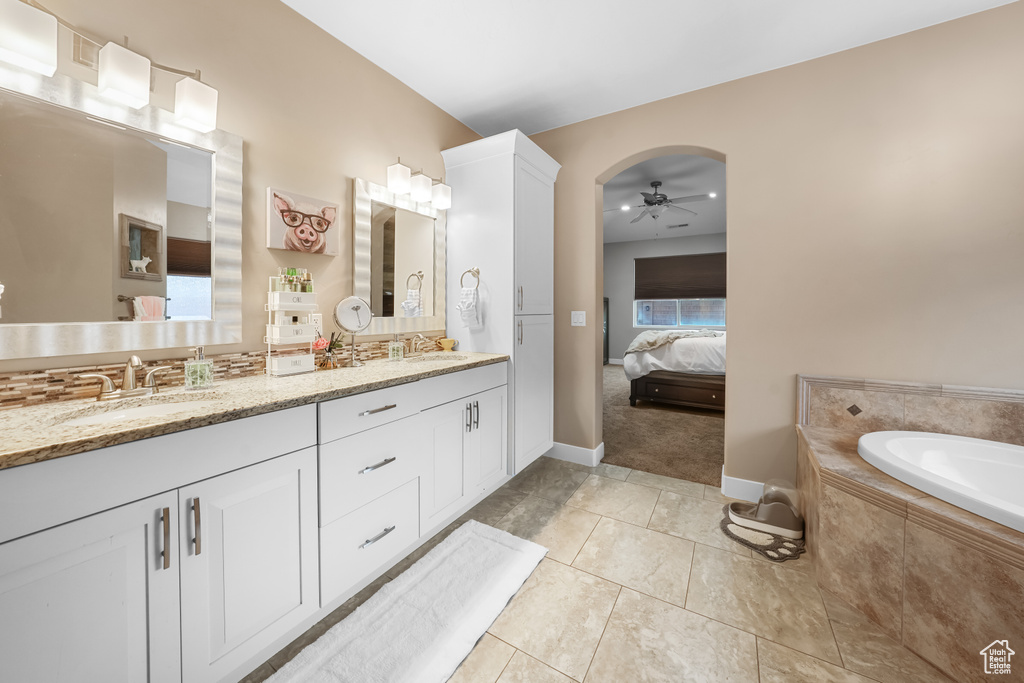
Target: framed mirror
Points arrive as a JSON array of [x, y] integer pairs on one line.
[[103, 206], [399, 259]]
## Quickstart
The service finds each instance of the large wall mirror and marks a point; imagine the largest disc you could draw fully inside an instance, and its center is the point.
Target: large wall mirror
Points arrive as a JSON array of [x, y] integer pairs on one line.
[[399, 260], [119, 230]]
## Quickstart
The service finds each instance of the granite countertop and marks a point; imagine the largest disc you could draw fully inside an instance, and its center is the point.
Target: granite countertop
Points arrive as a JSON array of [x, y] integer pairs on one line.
[[39, 433]]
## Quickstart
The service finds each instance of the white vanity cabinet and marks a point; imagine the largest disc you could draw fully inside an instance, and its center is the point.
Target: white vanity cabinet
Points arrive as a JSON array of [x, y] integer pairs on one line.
[[249, 567], [94, 599]]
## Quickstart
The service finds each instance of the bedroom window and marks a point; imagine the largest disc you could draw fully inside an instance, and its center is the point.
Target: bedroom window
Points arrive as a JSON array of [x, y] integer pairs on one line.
[[684, 313]]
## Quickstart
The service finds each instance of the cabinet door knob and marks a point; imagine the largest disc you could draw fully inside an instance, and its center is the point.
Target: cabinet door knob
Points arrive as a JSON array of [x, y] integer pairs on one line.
[[371, 541], [165, 517], [371, 468], [198, 540]]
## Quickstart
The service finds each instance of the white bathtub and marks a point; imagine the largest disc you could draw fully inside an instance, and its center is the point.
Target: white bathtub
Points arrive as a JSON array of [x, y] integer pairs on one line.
[[985, 477]]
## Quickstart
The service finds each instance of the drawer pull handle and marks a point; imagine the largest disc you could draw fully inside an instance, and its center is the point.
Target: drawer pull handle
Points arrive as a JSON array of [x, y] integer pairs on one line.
[[371, 541], [371, 468], [198, 540], [476, 414], [165, 517], [377, 410]]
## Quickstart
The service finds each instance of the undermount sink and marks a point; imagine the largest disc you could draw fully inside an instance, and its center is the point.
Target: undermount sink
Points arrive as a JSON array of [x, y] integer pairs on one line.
[[437, 355], [128, 414]]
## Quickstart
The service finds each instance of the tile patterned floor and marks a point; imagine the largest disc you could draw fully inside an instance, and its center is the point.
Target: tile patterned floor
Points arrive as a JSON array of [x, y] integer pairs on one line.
[[640, 585]]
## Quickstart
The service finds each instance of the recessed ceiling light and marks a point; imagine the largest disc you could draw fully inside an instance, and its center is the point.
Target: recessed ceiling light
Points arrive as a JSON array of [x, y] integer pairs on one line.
[[713, 195], [625, 207]]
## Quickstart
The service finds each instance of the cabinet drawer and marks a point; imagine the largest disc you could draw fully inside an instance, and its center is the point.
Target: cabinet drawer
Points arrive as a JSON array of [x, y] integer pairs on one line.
[[690, 395], [353, 414], [365, 466], [359, 543]]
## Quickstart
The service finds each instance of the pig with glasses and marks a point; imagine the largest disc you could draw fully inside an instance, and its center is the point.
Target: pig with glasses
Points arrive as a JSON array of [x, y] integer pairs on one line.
[[307, 224]]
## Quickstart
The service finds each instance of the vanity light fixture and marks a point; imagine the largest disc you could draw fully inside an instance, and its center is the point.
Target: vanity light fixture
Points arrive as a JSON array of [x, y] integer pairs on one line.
[[399, 178], [195, 105], [28, 37], [420, 188], [441, 197], [124, 76]]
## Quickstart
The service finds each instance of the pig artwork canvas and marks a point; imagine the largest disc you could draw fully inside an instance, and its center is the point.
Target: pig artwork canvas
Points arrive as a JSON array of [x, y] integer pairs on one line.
[[299, 223]]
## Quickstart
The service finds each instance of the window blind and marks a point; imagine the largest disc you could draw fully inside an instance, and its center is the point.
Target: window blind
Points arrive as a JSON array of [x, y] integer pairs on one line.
[[188, 257], [694, 276]]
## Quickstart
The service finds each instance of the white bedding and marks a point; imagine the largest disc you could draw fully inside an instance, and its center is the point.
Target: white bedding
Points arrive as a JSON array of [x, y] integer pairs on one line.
[[698, 355]]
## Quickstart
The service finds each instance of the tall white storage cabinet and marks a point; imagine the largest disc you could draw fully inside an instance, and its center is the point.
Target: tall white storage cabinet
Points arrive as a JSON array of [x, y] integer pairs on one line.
[[502, 221]]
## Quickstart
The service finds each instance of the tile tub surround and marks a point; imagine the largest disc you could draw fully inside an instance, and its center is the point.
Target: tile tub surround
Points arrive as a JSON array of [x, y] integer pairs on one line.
[[35, 387], [36, 433], [641, 604], [932, 576], [861, 406]]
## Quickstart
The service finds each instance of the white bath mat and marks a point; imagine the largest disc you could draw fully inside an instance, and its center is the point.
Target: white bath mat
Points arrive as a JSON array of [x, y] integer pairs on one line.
[[421, 626]]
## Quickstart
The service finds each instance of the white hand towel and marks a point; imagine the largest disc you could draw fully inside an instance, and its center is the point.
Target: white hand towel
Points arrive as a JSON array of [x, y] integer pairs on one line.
[[413, 305], [469, 308]]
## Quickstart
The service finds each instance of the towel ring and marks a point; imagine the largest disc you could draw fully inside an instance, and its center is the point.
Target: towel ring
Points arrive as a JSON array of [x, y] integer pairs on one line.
[[475, 272], [419, 279]]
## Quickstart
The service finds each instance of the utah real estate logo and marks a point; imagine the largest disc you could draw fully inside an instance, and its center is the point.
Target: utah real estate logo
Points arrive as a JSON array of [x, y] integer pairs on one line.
[[997, 657]]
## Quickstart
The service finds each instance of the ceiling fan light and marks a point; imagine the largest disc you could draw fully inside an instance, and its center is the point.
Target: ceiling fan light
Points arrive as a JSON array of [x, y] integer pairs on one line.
[[713, 194], [28, 37], [625, 207], [124, 76], [398, 178], [195, 105], [420, 188], [441, 197], [655, 211]]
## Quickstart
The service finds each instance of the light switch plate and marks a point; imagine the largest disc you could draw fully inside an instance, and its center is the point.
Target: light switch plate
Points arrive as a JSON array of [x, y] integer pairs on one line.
[[579, 318]]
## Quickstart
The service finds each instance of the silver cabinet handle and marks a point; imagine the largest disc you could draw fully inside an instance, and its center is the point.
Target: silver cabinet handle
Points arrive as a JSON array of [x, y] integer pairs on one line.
[[377, 410], [520, 332], [165, 517], [371, 468], [198, 540], [371, 541], [520, 297], [476, 414], [469, 417]]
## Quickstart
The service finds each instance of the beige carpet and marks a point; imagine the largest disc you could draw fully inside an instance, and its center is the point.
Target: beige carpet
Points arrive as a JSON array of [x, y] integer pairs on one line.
[[675, 442]]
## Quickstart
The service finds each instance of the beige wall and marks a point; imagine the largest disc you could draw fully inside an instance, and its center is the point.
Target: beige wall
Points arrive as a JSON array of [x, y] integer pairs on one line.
[[876, 225], [313, 114]]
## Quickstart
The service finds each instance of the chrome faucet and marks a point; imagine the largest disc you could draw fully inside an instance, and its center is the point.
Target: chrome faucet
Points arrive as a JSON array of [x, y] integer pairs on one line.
[[128, 385]]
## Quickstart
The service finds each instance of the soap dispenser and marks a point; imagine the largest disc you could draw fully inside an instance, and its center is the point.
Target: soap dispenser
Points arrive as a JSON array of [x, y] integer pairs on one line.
[[198, 371], [396, 349]]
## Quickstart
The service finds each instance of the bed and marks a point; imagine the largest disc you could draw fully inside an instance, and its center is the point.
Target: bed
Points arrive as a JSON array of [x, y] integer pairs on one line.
[[678, 368]]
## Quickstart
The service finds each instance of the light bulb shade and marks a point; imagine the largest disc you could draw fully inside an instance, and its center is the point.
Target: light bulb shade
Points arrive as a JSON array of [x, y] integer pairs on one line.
[[124, 76], [420, 190], [398, 179], [28, 37], [441, 197], [195, 105]]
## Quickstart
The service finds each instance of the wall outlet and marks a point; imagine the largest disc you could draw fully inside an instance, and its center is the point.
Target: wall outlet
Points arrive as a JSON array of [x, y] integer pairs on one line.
[[579, 318], [317, 320]]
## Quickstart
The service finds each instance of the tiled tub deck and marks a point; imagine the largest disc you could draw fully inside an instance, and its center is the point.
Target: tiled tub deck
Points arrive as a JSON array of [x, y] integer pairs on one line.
[[943, 581]]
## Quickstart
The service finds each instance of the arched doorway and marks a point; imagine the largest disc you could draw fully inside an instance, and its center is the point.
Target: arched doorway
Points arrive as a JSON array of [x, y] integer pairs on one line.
[[676, 432]]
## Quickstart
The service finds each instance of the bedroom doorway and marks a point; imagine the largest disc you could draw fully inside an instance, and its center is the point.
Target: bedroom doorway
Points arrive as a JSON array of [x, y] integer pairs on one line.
[[664, 264]]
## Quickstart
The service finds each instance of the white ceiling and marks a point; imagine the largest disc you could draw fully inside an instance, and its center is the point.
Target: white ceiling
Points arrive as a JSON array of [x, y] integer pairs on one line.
[[540, 64], [682, 175]]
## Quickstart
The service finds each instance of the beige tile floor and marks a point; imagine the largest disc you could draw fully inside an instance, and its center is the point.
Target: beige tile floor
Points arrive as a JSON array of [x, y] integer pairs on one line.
[[640, 585]]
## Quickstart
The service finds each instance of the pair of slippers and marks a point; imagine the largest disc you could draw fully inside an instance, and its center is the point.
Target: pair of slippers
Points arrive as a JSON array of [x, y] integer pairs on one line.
[[774, 514]]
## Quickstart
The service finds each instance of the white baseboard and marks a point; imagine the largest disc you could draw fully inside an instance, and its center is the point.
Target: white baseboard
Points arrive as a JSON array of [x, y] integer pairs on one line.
[[577, 454], [742, 489], [615, 361]]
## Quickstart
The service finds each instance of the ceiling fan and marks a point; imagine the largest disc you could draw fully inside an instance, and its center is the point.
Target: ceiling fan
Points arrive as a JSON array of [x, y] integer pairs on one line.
[[656, 202]]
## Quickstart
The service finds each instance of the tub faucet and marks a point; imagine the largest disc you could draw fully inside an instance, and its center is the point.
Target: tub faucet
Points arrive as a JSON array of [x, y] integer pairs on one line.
[[128, 385]]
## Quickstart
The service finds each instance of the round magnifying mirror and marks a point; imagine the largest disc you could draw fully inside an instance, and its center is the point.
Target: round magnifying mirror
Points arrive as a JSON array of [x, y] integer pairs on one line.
[[353, 315]]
